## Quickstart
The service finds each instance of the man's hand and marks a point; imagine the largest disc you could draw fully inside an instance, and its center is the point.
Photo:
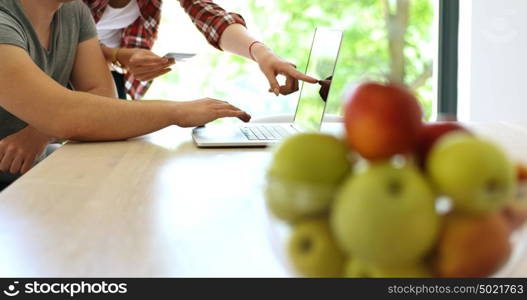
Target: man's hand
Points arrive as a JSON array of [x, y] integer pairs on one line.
[[19, 151], [273, 65], [145, 65], [203, 111]]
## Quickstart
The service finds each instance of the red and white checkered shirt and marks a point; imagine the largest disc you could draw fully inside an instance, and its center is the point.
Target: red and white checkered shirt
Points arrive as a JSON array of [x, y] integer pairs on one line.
[[208, 17]]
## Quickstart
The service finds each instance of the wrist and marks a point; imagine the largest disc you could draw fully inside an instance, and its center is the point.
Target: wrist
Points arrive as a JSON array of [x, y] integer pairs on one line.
[[177, 113], [259, 50], [117, 57]]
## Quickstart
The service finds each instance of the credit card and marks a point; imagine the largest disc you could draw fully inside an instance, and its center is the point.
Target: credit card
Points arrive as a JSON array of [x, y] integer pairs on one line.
[[179, 56]]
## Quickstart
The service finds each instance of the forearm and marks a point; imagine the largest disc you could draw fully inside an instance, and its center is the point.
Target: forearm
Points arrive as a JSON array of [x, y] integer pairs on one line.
[[236, 39], [94, 118]]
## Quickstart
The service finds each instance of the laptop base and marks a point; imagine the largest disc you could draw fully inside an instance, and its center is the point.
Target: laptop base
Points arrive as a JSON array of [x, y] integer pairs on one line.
[[232, 136]]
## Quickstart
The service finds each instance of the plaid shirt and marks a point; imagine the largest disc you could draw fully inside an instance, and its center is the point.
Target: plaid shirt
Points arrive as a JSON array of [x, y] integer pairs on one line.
[[208, 17]]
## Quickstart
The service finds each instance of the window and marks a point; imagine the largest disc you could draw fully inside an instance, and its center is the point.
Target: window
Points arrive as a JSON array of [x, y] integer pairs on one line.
[[393, 39]]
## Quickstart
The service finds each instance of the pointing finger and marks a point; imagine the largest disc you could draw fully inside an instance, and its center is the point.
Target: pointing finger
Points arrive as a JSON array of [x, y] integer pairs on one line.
[[290, 71]]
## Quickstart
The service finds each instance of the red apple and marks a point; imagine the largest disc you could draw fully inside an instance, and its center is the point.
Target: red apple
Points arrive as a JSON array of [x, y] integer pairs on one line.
[[515, 214], [472, 245], [382, 120], [521, 171], [429, 134]]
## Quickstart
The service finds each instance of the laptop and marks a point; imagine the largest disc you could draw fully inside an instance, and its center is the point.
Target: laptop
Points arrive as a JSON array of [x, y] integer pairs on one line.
[[310, 108]]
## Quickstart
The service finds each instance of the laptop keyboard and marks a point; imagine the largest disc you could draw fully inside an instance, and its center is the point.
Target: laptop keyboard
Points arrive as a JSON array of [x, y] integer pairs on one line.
[[265, 132]]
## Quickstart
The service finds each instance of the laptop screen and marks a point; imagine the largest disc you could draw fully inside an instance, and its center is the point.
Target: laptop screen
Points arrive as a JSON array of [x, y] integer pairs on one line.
[[321, 65]]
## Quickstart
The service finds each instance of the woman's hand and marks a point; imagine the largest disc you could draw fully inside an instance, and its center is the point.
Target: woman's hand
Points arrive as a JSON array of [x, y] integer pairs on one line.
[[202, 111], [236, 39], [273, 65], [145, 65]]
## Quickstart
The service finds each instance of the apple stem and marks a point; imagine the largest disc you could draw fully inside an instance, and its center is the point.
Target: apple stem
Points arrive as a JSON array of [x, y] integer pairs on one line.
[[306, 245], [395, 187]]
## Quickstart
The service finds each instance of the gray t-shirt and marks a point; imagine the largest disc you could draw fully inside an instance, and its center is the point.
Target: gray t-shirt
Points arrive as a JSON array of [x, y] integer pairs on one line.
[[72, 25]]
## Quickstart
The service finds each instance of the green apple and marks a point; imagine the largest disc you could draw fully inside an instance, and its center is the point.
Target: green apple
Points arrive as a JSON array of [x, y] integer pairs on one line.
[[313, 251], [305, 171], [385, 216], [291, 201], [356, 269], [418, 270], [311, 158], [475, 173]]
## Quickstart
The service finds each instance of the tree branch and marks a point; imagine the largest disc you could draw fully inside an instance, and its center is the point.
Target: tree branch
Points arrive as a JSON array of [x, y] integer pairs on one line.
[[387, 11], [423, 77], [397, 27]]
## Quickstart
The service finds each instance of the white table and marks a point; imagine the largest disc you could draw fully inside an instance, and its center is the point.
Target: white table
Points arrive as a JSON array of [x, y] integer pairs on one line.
[[153, 206]]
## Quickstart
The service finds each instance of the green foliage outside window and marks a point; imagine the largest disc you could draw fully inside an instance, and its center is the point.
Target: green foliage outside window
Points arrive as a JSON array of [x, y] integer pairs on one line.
[[365, 54], [384, 40]]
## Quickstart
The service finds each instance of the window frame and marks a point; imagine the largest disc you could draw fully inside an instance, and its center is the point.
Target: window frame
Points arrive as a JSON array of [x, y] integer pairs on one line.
[[448, 59]]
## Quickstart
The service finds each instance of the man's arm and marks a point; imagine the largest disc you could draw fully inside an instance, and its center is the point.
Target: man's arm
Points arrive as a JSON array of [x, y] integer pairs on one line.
[[31, 95], [90, 72], [20, 150]]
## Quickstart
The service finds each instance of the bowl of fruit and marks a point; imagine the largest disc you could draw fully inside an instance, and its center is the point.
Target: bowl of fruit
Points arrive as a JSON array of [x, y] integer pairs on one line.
[[395, 197]]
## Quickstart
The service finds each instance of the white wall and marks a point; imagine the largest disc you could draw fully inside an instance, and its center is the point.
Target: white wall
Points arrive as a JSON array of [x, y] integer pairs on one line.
[[493, 60]]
